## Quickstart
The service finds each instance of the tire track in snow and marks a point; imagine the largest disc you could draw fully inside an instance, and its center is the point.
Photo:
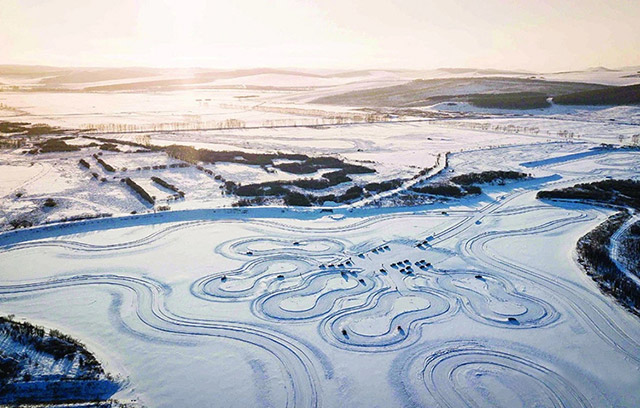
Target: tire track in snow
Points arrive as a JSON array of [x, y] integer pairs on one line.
[[472, 374], [572, 296], [296, 361]]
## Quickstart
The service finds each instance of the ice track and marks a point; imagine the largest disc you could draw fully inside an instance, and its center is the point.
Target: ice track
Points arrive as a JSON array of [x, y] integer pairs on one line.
[[473, 374], [597, 314], [363, 288], [297, 362], [285, 287]]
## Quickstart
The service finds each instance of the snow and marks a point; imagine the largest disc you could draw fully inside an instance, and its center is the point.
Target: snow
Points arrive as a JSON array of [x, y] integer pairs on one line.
[[629, 115], [615, 249], [14, 176], [616, 77], [269, 306], [161, 292]]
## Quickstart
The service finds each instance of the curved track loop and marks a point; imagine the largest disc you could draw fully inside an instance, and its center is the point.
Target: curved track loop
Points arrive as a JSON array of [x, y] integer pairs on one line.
[[81, 247], [393, 319], [269, 246], [492, 300], [388, 320], [296, 363], [252, 279], [361, 308], [314, 297], [470, 374], [597, 315]]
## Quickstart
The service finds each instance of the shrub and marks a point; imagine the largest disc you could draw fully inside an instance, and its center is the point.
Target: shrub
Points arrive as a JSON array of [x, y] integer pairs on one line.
[[54, 343], [336, 177], [39, 129], [230, 186], [139, 190], [166, 185], [322, 199], [263, 189], [619, 192], [446, 190], [303, 165], [84, 163], [13, 127], [9, 368], [104, 164], [384, 185], [50, 202], [55, 145], [122, 142], [311, 184], [593, 255], [473, 190], [487, 177], [313, 164], [192, 155], [247, 202], [351, 194], [109, 147], [20, 223], [296, 199], [58, 348]]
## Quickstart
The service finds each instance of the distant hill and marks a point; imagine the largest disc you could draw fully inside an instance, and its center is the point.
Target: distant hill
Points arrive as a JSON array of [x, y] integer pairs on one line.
[[133, 78], [487, 71], [623, 95], [489, 88], [601, 69], [97, 75], [199, 78], [30, 71], [482, 91]]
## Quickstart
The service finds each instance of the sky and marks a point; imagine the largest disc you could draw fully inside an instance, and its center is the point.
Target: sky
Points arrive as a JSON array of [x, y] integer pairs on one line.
[[536, 35]]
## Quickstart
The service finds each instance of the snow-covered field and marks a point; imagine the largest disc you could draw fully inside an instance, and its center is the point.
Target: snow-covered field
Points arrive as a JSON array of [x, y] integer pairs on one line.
[[144, 110], [58, 175], [304, 309], [267, 308], [469, 302]]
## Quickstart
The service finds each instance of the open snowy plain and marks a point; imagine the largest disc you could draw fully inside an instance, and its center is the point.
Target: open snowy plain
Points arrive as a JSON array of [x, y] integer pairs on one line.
[[477, 301]]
